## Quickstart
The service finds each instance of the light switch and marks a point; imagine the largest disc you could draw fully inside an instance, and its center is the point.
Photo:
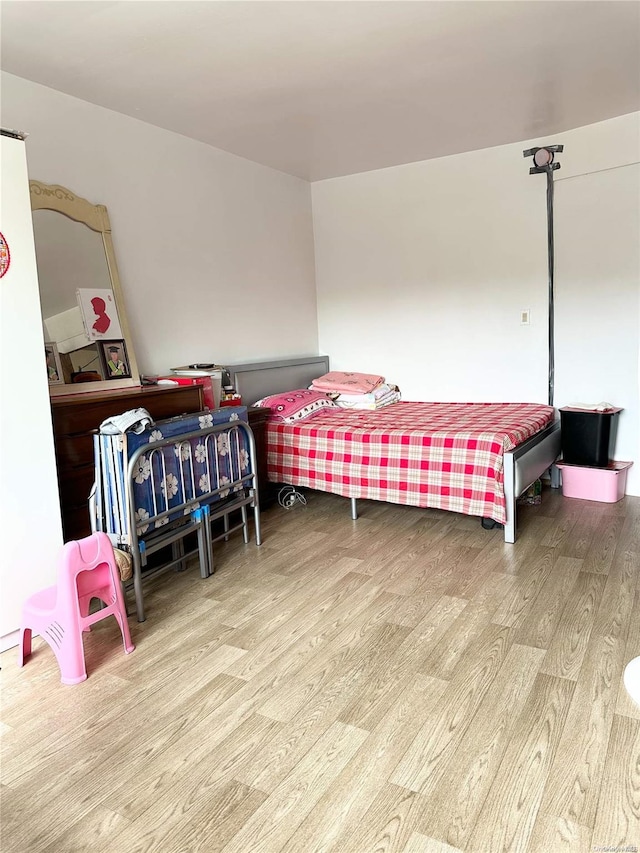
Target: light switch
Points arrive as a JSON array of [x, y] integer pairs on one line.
[[525, 317]]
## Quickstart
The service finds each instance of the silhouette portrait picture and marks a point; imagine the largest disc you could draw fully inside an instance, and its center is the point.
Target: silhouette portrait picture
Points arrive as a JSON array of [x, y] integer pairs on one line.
[[103, 320], [99, 314]]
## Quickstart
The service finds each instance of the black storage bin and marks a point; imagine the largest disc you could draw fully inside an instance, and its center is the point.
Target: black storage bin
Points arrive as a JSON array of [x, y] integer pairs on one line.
[[588, 438]]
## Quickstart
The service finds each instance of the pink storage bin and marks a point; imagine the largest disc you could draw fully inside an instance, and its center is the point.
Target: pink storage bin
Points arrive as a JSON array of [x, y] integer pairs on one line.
[[606, 485]]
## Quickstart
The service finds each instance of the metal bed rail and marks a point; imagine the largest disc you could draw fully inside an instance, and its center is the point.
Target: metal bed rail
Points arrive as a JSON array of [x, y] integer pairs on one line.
[[522, 467], [206, 497]]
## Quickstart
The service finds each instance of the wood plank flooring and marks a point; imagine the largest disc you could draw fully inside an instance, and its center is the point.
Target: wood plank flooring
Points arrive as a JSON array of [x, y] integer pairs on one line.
[[405, 683]]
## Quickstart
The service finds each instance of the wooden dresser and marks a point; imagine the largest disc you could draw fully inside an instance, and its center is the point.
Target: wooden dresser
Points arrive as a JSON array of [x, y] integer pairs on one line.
[[76, 417], [74, 420]]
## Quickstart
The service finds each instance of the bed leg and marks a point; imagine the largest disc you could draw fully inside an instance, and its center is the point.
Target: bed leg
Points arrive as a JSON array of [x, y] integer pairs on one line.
[[555, 476], [510, 498], [256, 520], [354, 509], [137, 584], [510, 529]]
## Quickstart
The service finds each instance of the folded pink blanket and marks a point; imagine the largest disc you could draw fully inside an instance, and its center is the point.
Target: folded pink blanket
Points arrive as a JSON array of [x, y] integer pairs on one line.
[[347, 383], [378, 392]]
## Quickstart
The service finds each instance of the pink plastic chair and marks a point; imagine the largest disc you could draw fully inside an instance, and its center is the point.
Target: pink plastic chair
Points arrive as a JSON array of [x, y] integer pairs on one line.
[[60, 613]]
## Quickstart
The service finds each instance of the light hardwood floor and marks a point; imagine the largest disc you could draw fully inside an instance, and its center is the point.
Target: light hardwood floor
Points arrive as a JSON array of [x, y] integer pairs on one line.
[[406, 682]]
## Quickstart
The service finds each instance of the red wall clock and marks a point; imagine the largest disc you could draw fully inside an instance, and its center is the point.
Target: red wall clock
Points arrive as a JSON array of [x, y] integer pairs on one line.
[[5, 255]]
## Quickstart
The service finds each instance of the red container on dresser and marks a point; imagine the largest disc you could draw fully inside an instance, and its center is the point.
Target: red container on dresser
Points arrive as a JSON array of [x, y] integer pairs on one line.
[[232, 401], [205, 382]]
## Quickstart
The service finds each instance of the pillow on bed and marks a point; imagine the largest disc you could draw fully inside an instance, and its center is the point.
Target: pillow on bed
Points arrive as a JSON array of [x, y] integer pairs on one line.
[[292, 406]]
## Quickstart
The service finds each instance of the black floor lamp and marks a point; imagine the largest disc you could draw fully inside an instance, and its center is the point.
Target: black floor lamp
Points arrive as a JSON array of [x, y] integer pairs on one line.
[[544, 161]]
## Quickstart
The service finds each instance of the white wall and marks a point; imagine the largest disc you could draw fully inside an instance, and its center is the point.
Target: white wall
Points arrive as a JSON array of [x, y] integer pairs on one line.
[[215, 252], [215, 255], [30, 528], [598, 298], [422, 271]]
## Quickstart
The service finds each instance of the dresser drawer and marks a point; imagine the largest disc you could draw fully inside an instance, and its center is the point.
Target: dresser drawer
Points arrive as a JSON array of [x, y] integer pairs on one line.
[[76, 484], [72, 451]]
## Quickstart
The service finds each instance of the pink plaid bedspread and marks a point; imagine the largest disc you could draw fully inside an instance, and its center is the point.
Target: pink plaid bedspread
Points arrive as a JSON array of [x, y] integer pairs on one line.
[[442, 455]]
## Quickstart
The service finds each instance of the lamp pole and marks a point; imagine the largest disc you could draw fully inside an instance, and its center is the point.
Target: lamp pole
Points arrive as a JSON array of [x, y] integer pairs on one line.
[[543, 161], [551, 263]]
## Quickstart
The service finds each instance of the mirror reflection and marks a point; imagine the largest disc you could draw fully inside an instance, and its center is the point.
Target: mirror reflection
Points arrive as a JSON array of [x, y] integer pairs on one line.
[[78, 307], [85, 329]]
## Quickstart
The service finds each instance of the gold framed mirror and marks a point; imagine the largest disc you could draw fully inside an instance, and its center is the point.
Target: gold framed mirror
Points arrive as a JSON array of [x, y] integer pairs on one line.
[[88, 344]]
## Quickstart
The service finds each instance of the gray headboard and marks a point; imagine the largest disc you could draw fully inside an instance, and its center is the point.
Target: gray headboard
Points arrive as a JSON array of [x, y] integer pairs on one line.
[[256, 379]]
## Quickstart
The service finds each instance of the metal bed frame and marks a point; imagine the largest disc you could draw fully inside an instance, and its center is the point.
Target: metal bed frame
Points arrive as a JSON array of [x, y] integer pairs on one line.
[[522, 465], [198, 514]]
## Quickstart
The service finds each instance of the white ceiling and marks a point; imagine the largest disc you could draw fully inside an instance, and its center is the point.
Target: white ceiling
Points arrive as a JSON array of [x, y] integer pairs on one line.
[[320, 89]]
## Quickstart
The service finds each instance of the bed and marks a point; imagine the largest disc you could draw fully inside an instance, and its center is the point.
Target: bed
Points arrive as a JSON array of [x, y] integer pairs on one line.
[[473, 458]]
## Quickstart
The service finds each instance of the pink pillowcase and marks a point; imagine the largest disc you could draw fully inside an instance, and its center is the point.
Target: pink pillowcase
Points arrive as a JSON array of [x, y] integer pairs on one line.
[[340, 381], [292, 406]]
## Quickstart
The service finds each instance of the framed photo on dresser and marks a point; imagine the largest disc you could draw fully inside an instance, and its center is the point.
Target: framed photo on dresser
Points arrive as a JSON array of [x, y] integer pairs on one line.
[[115, 363], [54, 365]]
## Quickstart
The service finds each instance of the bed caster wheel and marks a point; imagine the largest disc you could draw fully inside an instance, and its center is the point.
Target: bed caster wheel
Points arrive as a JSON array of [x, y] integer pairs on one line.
[[489, 523]]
